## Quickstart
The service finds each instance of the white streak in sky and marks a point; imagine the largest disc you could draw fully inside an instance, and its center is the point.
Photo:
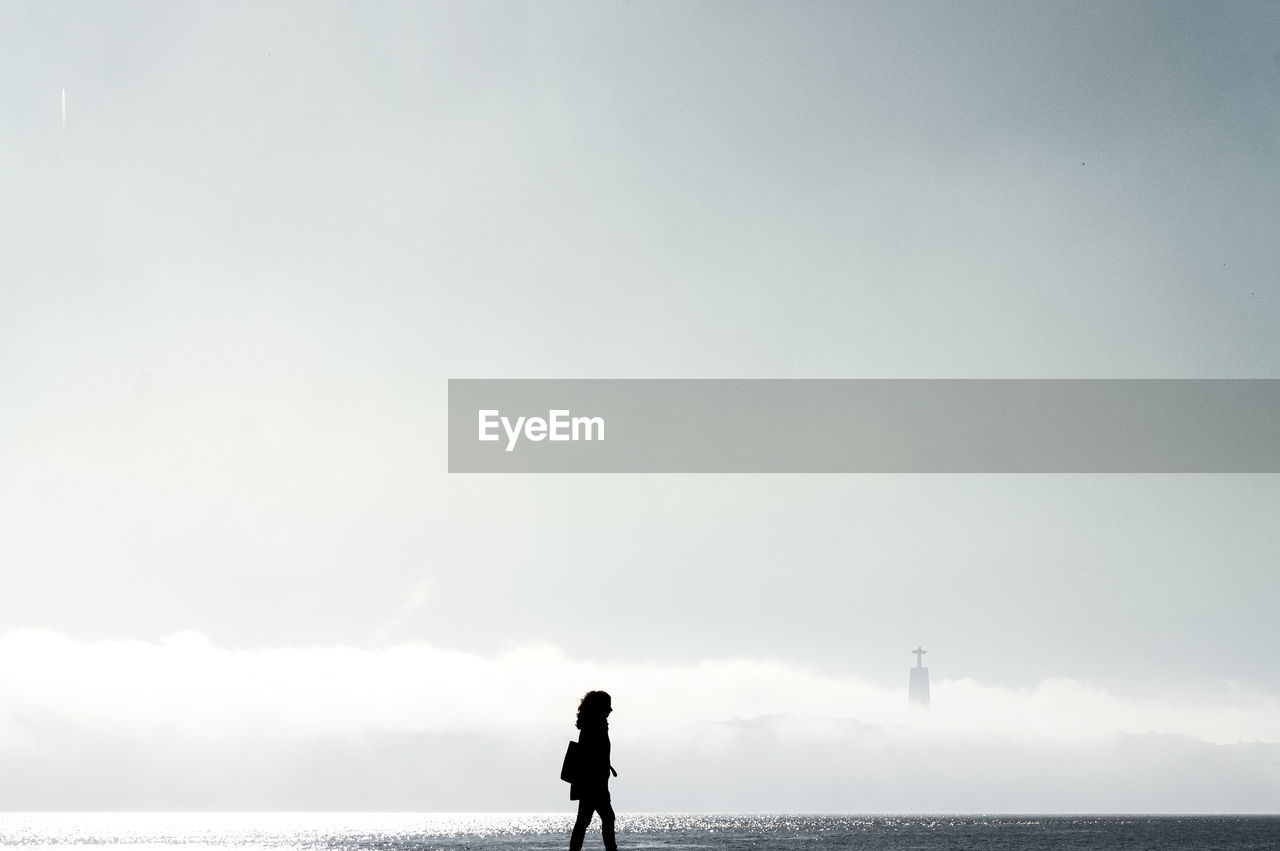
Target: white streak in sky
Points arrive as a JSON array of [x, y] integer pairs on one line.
[[414, 600]]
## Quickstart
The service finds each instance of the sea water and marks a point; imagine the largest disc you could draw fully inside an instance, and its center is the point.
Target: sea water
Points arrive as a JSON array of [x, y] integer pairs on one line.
[[537, 831]]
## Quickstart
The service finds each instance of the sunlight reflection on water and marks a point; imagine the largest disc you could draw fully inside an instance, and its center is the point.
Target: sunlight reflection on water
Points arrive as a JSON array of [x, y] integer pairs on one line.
[[665, 832]]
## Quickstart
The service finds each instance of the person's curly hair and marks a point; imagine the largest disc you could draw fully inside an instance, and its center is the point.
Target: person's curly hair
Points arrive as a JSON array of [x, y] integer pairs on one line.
[[594, 704]]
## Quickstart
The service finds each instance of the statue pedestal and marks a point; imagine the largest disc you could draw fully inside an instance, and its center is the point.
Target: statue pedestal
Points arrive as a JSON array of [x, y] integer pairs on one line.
[[919, 689]]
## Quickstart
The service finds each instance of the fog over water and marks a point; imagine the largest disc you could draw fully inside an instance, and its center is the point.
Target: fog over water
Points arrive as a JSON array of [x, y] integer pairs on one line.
[[184, 724]]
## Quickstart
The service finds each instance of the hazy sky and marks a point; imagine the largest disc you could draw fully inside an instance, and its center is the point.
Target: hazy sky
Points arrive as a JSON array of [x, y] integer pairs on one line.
[[235, 279]]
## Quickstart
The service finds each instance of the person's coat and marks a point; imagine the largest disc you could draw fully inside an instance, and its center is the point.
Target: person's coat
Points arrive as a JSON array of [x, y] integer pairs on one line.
[[591, 781]]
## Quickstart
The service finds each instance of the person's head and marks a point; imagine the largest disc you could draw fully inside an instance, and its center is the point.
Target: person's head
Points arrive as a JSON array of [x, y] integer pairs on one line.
[[594, 707]]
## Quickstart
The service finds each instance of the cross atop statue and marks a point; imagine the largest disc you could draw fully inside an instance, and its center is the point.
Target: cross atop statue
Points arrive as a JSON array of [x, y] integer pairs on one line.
[[919, 651]]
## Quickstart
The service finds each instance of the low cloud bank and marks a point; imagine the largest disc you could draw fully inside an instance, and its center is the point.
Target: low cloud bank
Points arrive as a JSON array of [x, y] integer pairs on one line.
[[184, 724]]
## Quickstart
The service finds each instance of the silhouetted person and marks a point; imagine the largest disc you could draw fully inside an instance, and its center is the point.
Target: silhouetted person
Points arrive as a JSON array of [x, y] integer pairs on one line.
[[590, 786]]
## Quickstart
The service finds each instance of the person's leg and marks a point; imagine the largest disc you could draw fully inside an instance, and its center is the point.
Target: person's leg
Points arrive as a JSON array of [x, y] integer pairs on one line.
[[606, 825], [585, 812]]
